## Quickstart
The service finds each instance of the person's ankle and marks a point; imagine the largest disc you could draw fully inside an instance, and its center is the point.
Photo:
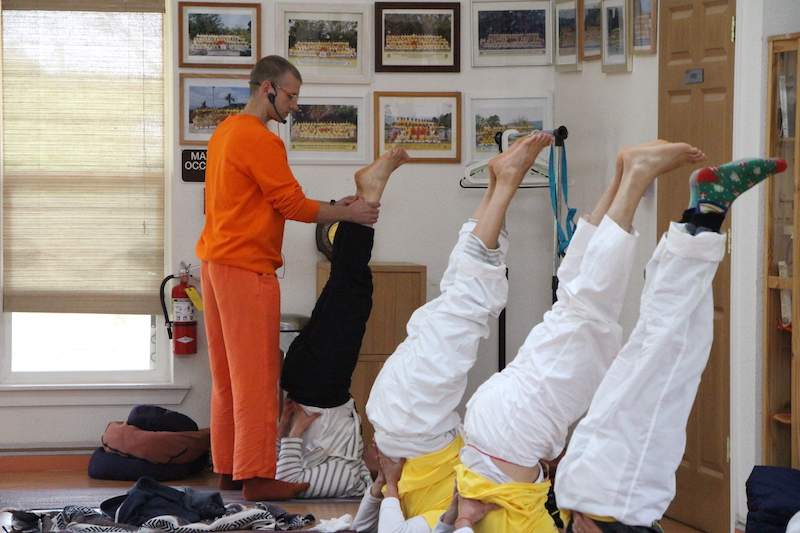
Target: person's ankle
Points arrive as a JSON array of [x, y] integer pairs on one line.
[[226, 482], [259, 488]]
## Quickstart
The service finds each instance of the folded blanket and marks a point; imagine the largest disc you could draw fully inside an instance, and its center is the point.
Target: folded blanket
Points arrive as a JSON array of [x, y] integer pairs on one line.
[[159, 447]]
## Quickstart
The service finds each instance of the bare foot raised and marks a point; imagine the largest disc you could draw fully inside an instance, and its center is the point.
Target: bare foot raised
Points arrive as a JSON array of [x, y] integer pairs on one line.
[[510, 167], [643, 163], [371, 180]]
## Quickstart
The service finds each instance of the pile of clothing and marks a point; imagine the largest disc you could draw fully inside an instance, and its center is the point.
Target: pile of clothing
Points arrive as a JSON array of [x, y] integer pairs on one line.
[[154, 442], [150, 506], [773, 500]]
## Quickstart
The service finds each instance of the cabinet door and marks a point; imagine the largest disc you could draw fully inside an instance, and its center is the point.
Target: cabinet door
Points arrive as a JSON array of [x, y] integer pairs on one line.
[[364, 376], [395, 298]]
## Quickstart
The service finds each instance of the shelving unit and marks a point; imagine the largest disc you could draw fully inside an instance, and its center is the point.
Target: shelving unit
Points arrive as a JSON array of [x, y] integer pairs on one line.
[[782, 260]]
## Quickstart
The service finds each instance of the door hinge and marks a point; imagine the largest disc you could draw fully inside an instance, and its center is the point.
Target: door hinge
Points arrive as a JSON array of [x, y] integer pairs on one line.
[[728, 448], [733, 29]]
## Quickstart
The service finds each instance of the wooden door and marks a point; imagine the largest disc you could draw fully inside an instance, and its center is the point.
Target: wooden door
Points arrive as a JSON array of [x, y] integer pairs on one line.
[[696, 105]]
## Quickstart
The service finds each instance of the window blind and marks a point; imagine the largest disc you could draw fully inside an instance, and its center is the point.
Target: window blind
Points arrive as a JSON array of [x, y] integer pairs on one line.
[[83, 157]]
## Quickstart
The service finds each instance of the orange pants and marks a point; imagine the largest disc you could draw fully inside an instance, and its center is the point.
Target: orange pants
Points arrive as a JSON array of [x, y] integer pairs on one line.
[[242, 318]]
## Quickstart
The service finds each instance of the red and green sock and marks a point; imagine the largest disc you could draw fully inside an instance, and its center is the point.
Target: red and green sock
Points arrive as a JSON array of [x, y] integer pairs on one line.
[[714, 189]]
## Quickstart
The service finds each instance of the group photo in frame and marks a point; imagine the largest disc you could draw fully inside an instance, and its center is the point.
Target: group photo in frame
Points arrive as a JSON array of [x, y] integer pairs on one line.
[[329, 43], [645, 27], [417, 37], [218, 35], [490, 115], [328, 130], [426, 124], [206, 100], [592, 34], [511, 33], [616, 48], [568, 34]]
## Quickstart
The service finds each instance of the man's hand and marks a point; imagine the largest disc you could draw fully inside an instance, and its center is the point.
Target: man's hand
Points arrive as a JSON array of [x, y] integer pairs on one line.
[[581, 524], [450, 515], [376, 490], [301, 422], [362, 212], [347, 200], [392, 470], [285, 421], [470, 512]]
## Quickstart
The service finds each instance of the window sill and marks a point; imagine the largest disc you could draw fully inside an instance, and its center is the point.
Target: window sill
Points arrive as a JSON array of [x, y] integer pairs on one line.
[[109, 394]]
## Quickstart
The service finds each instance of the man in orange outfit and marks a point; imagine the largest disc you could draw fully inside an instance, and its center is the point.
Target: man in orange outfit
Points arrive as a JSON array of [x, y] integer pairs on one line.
[[250, 193]]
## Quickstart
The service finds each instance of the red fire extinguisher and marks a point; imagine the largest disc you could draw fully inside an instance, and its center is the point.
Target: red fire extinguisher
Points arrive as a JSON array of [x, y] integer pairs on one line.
[[182, 329]]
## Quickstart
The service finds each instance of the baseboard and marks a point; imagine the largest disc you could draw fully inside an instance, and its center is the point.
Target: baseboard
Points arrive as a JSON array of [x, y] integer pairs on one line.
[[44, 463]]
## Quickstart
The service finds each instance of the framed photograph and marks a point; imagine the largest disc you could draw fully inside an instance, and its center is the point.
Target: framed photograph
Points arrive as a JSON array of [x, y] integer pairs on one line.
[[592, 35], [327, 42], [327, 130], [427, 125], [645, 27], [511, 32], [217, 35], [417, 37], [208, 99], [568, 36], [491, 115], [616, 37]]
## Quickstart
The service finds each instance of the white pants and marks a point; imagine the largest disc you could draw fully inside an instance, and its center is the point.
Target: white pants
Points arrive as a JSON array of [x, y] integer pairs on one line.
[[623, 455], [523, 413], [413, 400]]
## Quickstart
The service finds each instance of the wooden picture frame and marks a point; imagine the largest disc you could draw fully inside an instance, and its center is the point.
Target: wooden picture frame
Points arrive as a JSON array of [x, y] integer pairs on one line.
[[218, 50], [645, 27], [567, 19], [417, 52], [592, 30], [337, 57], [493, 48], [214, 98], [617, 56], [324, 131], [426, 124]]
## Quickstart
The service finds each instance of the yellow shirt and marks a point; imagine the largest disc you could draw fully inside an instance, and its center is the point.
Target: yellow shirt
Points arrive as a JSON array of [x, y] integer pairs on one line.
[[426, 484], [522, 505]]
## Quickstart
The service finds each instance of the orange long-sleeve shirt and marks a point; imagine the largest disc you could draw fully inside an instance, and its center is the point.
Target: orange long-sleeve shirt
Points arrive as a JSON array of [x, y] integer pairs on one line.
[[250, 192]]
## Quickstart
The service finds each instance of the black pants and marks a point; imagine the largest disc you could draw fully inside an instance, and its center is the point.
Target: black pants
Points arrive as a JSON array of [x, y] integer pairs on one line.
[[320, 362]]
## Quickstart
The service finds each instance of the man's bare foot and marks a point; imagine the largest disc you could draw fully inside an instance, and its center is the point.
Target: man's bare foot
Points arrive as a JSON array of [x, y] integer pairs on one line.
[[371, 180], [510, 167], [643, 163]]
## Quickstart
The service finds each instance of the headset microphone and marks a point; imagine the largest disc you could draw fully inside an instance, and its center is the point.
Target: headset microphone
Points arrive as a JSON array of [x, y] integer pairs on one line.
[[271, 98]]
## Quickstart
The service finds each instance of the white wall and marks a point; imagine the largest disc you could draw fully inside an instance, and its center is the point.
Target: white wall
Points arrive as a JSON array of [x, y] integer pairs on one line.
[[756, 20], [603, 113], [422, 210]]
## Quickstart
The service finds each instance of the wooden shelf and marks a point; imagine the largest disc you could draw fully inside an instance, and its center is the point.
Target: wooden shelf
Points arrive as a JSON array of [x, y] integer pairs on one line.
[[781, 372], [783, 418], [777, 282]]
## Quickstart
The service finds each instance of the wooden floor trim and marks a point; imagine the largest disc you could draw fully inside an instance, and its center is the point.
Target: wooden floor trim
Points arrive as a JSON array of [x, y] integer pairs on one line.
[[44, 463]]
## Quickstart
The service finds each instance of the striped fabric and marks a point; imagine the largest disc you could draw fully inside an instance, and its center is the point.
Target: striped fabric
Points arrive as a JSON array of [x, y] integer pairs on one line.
[[330, 477]]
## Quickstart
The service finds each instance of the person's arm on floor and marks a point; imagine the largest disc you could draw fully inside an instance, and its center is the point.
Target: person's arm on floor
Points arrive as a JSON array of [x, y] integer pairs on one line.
[[391, 518], [366, 520]]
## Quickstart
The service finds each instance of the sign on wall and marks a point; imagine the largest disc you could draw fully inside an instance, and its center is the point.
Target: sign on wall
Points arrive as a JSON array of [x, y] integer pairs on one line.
[[193, 165]]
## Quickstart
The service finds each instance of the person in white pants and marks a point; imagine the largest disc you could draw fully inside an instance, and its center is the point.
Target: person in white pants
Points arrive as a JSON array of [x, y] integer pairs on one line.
[[520, 415], [618, 472], [414, 399]]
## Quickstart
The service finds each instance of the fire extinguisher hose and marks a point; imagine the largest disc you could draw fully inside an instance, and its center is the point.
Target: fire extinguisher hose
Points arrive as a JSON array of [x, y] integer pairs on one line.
[[167, 321]]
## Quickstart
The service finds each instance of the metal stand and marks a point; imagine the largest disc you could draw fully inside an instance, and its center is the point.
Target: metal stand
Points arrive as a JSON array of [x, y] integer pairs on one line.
[[560, 134]]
